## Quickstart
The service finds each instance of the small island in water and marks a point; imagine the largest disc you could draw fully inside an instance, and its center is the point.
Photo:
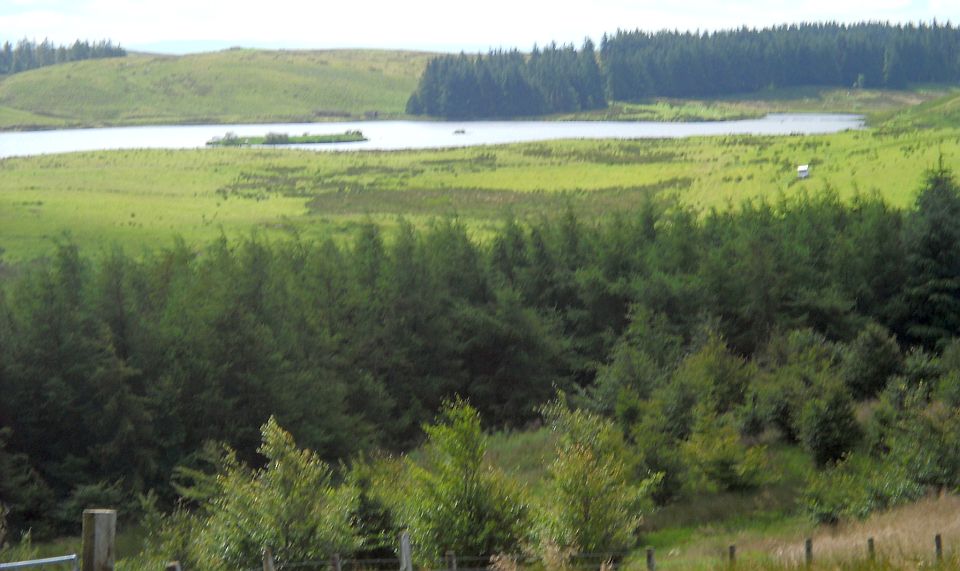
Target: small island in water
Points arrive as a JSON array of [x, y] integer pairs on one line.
[[233, 140]]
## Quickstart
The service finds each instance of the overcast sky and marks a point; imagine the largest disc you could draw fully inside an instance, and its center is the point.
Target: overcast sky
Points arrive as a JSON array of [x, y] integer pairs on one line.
[[446, 25]]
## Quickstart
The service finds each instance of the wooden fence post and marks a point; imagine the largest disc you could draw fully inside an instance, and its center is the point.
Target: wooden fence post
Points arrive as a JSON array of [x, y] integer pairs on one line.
[[808, 551], [451, 561], [406, 559], [732, 555], [335, 562], [651, 560], [938, 546], [871, 549], [268, 560], [99, 538]]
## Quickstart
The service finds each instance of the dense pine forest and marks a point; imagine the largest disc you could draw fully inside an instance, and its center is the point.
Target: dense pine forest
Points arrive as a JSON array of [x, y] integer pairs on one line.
[[692, 332], [510, 84], [635, 65], [27, 54]]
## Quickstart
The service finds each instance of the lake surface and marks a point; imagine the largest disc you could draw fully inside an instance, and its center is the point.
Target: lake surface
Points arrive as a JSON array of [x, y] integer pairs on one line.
[[396, 135]]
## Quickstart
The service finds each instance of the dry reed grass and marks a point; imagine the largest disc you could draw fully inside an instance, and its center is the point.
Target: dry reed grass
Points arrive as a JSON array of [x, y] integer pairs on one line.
[[903, 539]]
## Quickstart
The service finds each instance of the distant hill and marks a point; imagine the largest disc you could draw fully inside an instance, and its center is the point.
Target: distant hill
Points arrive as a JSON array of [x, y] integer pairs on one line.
[[231, 86]]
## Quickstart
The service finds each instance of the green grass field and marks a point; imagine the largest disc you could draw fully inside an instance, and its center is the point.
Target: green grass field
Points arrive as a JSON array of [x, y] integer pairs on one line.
[[232, 86], [143, 198]]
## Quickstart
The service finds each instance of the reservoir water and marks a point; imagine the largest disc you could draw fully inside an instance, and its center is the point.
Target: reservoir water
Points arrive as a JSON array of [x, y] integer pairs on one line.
[[397, 135]]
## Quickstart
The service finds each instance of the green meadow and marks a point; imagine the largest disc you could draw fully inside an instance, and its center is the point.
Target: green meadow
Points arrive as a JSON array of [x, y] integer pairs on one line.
[[143, 198]]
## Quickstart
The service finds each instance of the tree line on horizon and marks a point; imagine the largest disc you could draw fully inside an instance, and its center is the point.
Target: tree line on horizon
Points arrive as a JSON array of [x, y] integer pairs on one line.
[[635, 65], [28, 54]]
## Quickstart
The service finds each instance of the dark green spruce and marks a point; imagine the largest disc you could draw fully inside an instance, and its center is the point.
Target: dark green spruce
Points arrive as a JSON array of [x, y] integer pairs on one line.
[[685, 327]]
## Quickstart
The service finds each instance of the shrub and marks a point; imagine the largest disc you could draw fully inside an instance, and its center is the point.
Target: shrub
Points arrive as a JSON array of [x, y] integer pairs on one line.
[[948, 388], [778, 398], [455, 501], [926, 442], [718, 375], [827, 426], [870, 360], [592, 507], [791, 364], [84, 496], [276, 139], [718, 459], [290, 505], [856, 487]]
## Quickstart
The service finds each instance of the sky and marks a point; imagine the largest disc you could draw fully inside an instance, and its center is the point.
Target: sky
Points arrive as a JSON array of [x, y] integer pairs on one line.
[[182, 26]]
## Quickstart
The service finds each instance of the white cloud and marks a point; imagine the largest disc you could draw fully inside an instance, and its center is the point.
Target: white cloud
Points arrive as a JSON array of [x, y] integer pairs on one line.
[[390, 23]]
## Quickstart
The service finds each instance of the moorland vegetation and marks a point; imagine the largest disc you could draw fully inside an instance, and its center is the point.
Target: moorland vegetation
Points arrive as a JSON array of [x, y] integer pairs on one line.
[[525, 351]]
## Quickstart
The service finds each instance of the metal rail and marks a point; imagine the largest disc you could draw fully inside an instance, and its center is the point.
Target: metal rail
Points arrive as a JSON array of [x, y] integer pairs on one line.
[[48, 561]]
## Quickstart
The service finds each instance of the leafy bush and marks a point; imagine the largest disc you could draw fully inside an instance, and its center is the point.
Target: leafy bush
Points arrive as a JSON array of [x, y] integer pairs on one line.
[[592, 506], [827, 426], [276, 139], [375, 519], [948, 389], [790, 365], [718, 458], [457, 502], [86, 496], [291, 505], [926, 442], [719, 376], [25, 499], [777, 398], [660, 453], [870, 360], [168, 537], [856, 487]]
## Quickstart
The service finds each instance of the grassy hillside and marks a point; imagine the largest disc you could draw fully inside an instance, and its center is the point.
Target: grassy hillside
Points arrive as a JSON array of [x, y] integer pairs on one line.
[[222, 87]]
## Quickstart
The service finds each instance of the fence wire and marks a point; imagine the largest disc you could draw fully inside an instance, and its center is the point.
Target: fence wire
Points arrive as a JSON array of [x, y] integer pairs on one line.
[[578, 562]]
